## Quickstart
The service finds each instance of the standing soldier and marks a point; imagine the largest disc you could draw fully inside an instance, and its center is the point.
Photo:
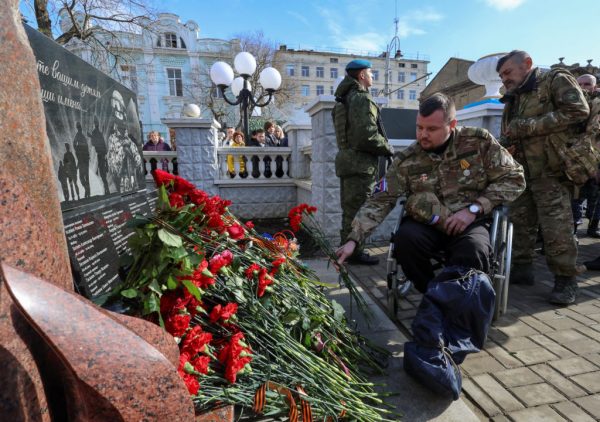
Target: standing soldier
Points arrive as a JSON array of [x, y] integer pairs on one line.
[[542, 111], [361, 141], [452, 176]]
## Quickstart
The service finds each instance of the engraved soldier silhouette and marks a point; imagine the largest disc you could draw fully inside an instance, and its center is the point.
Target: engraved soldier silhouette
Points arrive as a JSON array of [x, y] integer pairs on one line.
[[82, 151], [70, 166]]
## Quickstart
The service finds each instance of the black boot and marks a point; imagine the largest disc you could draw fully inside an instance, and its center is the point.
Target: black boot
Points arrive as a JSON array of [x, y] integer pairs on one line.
[[363, 258], [593, 230], [522, 274], [565, 290], [593, 265]]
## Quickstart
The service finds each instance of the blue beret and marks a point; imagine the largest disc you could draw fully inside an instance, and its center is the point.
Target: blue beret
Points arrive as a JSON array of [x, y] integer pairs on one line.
[[358, 64]]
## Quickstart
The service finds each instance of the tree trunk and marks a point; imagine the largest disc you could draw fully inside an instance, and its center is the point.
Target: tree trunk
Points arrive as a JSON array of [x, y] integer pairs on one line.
[[43, 18]]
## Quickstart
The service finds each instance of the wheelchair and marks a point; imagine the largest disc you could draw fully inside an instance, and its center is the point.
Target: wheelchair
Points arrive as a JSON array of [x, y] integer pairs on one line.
[[501, 234]]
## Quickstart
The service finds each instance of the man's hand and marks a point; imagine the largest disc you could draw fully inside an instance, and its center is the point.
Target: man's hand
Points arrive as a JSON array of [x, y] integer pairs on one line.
[[457, 223], [344, 251]]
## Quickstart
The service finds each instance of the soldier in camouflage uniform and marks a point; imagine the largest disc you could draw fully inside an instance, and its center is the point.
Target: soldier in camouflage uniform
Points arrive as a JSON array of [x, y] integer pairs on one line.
[[588, 84], [452, 176], [542, 110], [361, 141]]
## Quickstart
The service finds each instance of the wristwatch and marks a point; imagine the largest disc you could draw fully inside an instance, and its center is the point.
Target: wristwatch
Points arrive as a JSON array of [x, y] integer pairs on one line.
[[475, 209]]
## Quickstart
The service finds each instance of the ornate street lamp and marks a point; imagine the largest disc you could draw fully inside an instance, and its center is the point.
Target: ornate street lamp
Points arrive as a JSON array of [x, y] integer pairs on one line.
[[245, 64]]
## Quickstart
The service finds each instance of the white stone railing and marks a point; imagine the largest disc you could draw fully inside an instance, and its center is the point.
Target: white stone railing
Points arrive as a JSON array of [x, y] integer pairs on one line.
[[163, 160], [262, 165]]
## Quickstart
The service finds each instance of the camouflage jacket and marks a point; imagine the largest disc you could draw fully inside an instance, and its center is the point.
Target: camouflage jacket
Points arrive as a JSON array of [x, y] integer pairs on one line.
[[593, 123], [473, 168], [547, 109], [360, 140]]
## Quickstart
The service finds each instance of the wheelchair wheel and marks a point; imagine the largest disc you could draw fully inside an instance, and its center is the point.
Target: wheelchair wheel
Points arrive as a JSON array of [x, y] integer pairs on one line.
[[501, 265]]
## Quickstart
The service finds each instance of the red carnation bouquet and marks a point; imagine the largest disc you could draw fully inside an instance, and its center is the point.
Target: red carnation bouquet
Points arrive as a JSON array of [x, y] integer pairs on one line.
[[246, 314]]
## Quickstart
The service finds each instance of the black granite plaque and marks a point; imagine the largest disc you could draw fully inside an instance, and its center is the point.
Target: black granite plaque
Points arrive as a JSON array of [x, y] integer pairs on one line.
[[97, 238]]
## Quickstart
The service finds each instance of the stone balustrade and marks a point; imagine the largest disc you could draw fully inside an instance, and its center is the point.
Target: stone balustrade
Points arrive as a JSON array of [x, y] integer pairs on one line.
[[163, 160], [262, 164]]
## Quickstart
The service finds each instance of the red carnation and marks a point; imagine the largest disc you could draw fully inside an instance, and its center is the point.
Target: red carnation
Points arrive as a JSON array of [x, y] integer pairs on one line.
[[162, 178], [223, 313], [236, 231], [216, 222], [195, 341], [183, 187], [251, 269], [235, 357], [202, 277], [170, 300], [177, 324], [219, 261], [201, 364], [249, 224], [191, 382], [275, 265], [176, 200], [295, 215], [263, 282], [198, 196]]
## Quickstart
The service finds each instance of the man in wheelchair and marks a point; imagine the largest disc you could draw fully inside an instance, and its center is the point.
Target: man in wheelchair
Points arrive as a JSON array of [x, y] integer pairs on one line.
[[452, 177]]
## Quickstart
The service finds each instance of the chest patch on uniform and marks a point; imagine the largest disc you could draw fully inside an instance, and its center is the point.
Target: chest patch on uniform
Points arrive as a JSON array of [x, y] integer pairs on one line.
[[380, 187], [570, 96]]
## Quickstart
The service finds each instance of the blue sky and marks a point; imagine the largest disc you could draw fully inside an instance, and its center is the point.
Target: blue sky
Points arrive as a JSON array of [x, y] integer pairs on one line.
[[435, 29], [439, 29]]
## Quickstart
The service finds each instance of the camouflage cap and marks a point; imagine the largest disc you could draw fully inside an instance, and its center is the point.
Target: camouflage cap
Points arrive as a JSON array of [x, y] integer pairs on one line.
[[358, 64], [426, 208]]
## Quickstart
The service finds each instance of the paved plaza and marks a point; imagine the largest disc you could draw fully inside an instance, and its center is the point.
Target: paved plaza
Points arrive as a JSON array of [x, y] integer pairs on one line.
[[540, 361]]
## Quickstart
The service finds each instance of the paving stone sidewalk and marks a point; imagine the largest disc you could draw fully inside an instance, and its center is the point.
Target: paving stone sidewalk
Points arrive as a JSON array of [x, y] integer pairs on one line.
[[540, 362]]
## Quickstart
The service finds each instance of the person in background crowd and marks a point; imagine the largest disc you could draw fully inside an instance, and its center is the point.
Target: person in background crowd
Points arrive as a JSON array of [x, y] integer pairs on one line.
[[589, 192], [155, 143], [226, 142], [280, 135], [270, 138], [541, 110], [237, 141], [253, 142]]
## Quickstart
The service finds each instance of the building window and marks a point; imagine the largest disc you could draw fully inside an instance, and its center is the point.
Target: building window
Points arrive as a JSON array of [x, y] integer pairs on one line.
[[331, 90], [175, 82], [290, 69], [171, 40], [129, 76], [320, 90], [400, 94], [320, 72], [401, 77], [413, 65], [375, 75], [413, 76], [333, 60], [305, 71], [401, 64], [374, 92], [305, 90], [333, 73], [216, 92], [412, 94]]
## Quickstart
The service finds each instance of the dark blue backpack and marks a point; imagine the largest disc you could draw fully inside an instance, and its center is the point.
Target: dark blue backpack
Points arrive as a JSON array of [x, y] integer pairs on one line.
[[452, 321]]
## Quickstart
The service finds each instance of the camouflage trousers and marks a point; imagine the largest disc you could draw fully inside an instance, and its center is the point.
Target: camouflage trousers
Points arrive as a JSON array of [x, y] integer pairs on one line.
[[354, 191], [545, 204]]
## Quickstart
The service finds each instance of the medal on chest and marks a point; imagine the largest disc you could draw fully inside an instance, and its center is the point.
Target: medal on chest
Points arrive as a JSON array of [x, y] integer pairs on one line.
[[464, 165]]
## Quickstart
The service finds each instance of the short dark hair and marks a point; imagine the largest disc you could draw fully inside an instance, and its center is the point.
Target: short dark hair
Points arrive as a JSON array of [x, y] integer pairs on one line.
[[438, 101], [259, 131], [268, 125], [518, 56], [353, 73]]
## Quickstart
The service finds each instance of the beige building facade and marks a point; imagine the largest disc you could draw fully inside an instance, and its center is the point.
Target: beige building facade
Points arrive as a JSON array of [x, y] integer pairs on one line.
[[314, 73]]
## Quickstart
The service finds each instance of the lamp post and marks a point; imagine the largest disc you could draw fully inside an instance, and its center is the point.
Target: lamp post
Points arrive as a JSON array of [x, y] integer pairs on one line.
[[245, 64]]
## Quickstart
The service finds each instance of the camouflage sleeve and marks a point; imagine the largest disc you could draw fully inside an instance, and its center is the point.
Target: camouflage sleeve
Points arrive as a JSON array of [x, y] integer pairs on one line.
[[364, 115], [379, 204], [506, 180], [570, 107]]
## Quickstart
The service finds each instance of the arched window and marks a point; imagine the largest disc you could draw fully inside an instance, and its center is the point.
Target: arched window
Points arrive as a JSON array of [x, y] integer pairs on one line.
[[170, 40]]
